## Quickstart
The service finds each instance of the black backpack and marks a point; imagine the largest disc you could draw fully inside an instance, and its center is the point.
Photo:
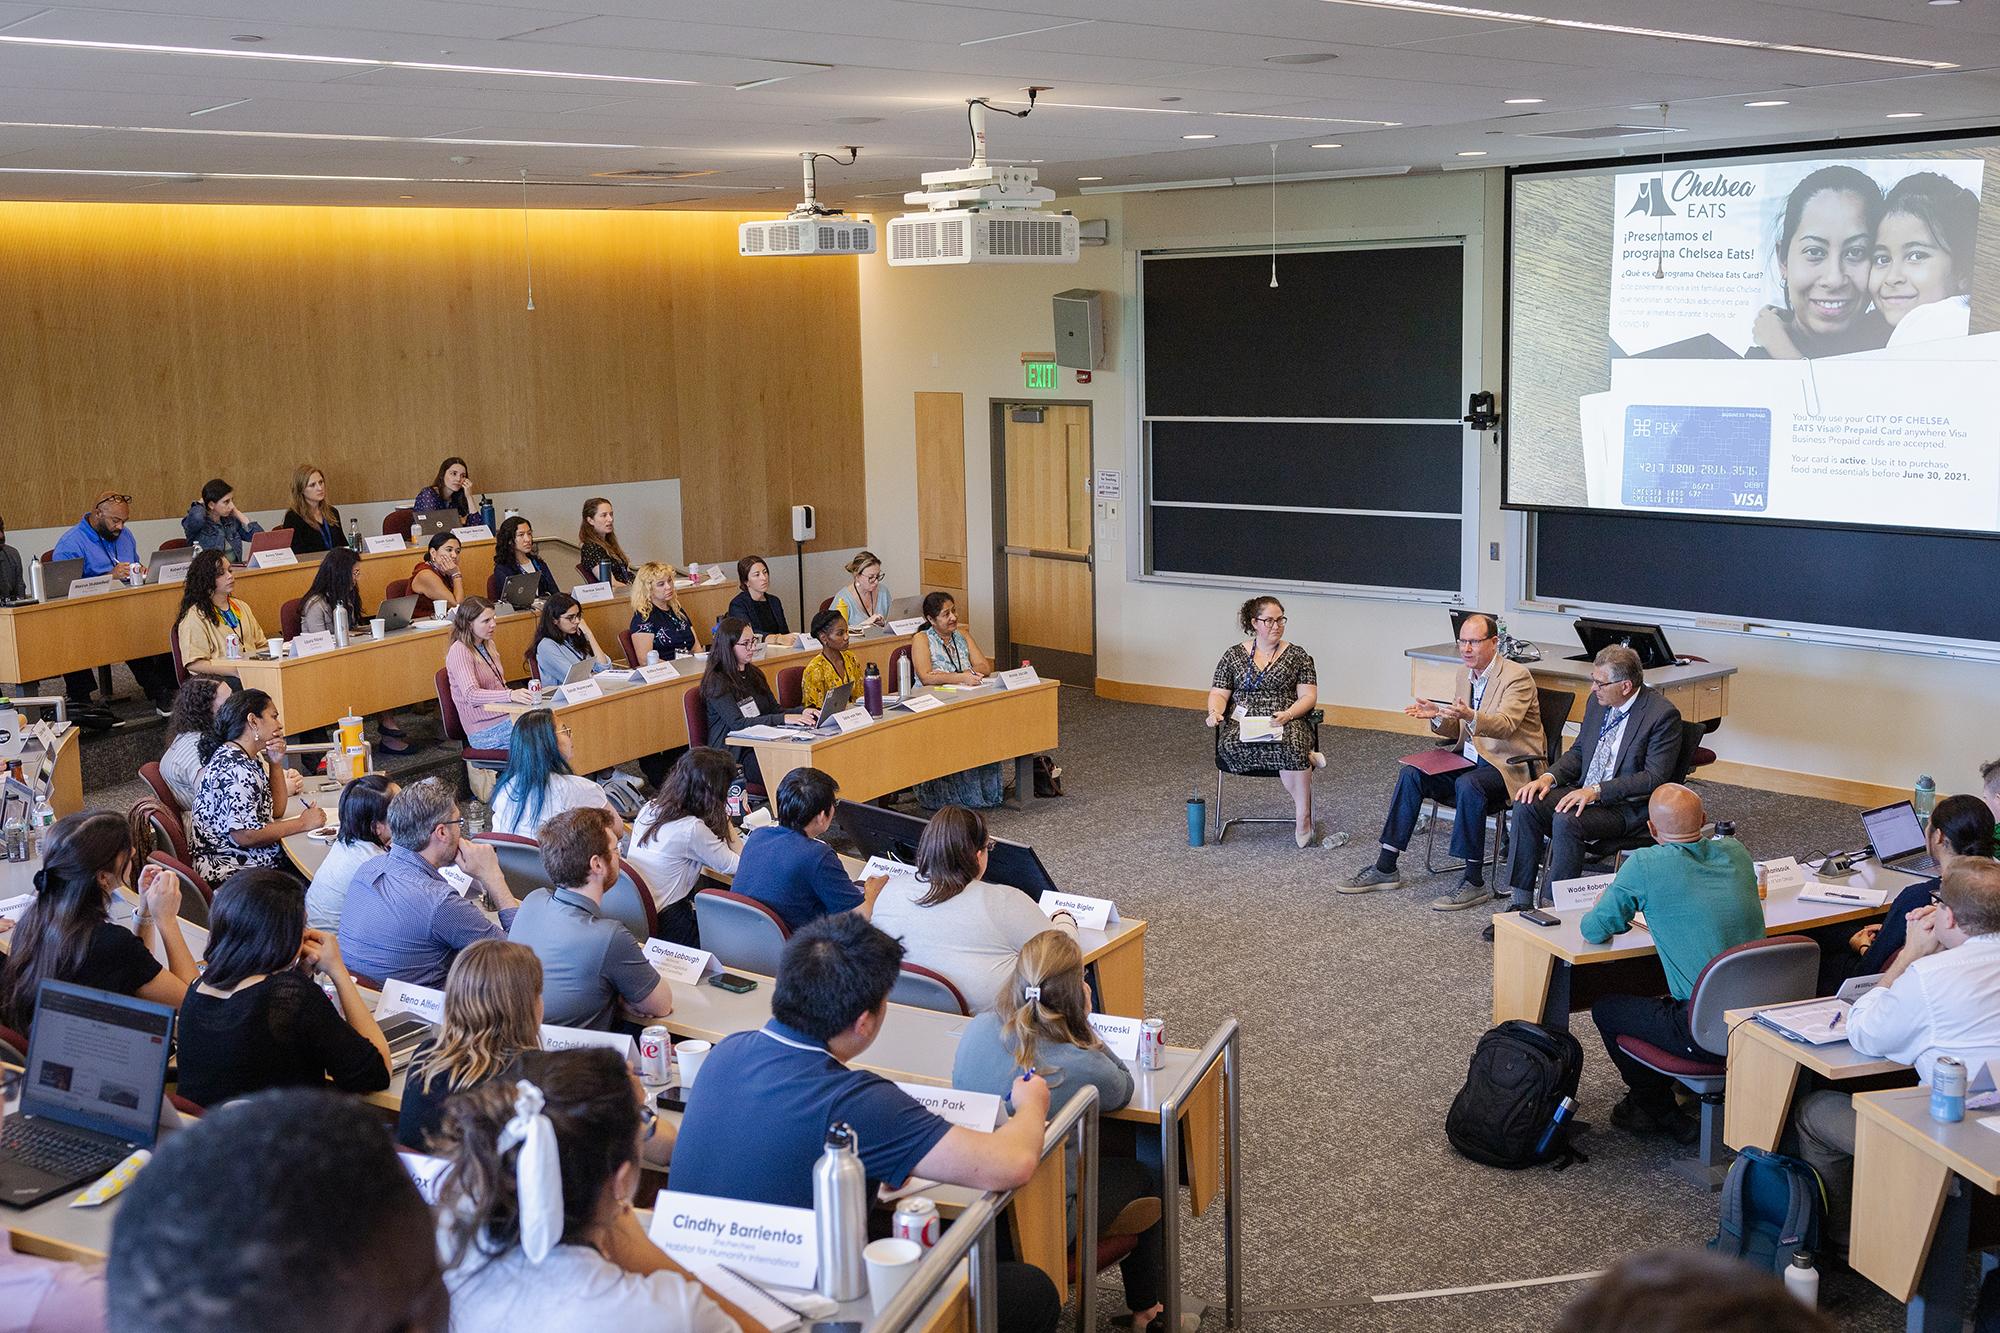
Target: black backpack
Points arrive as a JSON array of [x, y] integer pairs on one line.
[[1520, 1073], [1772, 1207]]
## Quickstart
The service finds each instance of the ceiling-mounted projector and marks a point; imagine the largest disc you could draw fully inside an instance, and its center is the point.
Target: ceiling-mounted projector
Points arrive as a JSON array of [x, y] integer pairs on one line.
[[982, 214], [811, 229]]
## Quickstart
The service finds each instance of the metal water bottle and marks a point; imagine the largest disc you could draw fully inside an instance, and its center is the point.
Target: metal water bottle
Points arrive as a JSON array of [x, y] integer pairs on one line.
[[340, 624], [840, 1212], [486, 511], [871, 689], [905, 678]]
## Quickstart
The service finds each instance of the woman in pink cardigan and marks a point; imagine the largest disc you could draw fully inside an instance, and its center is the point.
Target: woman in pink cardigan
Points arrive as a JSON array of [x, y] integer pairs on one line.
[[477, 683]]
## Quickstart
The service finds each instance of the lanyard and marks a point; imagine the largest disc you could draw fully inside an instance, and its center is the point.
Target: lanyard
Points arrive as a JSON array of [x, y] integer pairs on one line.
[[1253, 677], [950, 653], [229, 614], [487, 658]]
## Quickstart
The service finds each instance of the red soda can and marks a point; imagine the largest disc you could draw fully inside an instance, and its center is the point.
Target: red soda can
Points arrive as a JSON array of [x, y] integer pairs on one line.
[[1152, 1043], [917, 1220]]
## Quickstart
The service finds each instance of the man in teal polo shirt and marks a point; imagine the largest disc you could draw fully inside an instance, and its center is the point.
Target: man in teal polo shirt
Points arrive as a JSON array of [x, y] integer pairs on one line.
[[1700, 898]]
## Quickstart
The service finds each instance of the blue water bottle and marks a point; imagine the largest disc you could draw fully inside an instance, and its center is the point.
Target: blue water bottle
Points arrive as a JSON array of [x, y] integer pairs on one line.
[[486, 511], [1564, 1110], [1197, 812]]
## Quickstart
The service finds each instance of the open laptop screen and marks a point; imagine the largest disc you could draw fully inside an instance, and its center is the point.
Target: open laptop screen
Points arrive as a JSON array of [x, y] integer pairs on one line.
[[98, 1061], [1893, 830]]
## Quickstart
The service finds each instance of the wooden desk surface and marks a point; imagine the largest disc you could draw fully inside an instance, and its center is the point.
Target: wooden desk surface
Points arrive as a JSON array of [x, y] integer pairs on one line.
[[1904, 1162], [1764, 1068], [1699, 689]]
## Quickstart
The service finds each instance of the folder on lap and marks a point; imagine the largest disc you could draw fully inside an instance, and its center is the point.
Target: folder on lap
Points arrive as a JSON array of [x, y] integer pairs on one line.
[[1437, 762]]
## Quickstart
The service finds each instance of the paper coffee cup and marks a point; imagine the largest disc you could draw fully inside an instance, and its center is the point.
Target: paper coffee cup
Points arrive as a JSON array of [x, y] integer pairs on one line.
[[276, 647], [890, 1263], [690, 1054], [378, 628], [438, 608]]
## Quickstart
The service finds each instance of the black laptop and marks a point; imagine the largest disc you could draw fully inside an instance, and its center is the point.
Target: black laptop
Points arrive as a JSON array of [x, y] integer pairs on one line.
[[97, 1066], [520, 589]]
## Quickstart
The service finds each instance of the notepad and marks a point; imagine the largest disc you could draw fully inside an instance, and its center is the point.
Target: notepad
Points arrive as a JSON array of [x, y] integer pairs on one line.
[[1258, 729], [1816, 1023]]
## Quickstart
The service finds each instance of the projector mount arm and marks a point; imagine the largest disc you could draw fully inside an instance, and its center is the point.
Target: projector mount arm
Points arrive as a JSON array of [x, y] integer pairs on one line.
[[975, 122], [810, 207]]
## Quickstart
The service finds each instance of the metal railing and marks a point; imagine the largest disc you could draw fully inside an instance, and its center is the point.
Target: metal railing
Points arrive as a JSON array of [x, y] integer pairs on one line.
[[1224, 1046]]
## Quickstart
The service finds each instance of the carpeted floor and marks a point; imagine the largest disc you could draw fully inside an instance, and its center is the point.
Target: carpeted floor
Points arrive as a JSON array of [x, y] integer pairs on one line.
[[1358, 1014]]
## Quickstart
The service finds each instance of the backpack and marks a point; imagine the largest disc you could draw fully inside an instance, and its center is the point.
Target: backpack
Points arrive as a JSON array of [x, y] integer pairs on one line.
[[1520, 1072], [1772, 1207]]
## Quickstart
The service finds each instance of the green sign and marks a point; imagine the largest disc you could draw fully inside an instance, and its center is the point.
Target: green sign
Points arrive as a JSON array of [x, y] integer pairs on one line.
[[1040, 374]]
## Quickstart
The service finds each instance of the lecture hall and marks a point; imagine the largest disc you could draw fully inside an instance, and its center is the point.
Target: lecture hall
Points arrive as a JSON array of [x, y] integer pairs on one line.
[[920, 667]]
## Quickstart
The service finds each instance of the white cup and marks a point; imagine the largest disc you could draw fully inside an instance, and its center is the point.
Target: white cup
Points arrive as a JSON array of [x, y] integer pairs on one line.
[[438, 608], [689, 1055], [378, 628], [276, 648], [890, 1263]]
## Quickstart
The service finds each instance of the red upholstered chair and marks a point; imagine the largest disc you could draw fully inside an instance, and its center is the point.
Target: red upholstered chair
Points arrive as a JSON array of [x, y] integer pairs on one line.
[[454, 729], [625, 647], [1763, 972], [791, 681], [196, 895], [291, 614], [825, 603], [397, 588], [174, 650], [695, 709], [154, 778], [741, 932], [163, 818], [175, 544], [396, 523], [13, 1046], [494, 583], [921, 988]]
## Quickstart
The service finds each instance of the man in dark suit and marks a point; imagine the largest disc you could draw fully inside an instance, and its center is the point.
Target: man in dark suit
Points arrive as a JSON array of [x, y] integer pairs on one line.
[[1630, 743]]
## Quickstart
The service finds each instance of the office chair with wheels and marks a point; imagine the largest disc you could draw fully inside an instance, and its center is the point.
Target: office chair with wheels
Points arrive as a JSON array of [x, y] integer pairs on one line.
[[741, 932], [1554, 707], [921, 988], [1315, 717]]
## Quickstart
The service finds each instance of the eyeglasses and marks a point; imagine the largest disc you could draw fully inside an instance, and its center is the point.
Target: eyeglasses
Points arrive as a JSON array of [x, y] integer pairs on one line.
[[113, 500], [564, 730], [1467, 643], [991, 843], [1271, 620], [458, 823], [1597, 684]]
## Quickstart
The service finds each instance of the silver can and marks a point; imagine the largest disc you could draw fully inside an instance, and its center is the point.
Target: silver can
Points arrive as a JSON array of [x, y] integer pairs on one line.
[[1152, 1043], [1948, 1090], [917, 1220], [655, 1056]]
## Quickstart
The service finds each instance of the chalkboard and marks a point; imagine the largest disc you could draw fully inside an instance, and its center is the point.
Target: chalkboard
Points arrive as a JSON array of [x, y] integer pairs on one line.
[[1845, 578]]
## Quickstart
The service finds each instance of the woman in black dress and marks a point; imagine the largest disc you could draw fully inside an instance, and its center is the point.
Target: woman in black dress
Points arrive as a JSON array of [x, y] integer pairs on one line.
[[1269, 682]]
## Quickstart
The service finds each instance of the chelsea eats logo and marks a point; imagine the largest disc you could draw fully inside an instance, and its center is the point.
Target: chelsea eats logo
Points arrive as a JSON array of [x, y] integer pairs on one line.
[[1698, 194]]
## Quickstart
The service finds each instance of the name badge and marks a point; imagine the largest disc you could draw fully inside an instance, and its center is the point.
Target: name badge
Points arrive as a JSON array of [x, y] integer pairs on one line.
[[388, 541], [428, 1172], [852, 719], [575, 1039], [764, 1241], [677, 963], [910, 626], [578, 690], [1018, 678], [586, 593], [95, 584], [473, 532], [1578, 895], [175, 573], [1120, 1034], [400, 997], [308, 645], [1783, 874], [652, 673], [971, 1110], [271, 559], [1090, 913], [922, 703]]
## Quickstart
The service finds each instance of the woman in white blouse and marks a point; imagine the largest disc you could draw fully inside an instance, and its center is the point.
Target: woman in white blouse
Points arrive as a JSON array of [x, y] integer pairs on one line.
[[683, 831], [537, 784]]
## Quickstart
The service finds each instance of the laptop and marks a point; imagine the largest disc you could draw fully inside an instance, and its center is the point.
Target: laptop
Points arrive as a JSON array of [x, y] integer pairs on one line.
[[57, 575], [431, 522], [397, 612], [906, 608], [167, 558], [583, 669], [404, 1033], [277, 539], [1898, 839], [838, 698], [519, 590], [97, 1069]]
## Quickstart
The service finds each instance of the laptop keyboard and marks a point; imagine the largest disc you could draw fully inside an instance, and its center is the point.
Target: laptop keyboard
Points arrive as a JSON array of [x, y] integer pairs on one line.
[[1923, 865], [51, 1149]]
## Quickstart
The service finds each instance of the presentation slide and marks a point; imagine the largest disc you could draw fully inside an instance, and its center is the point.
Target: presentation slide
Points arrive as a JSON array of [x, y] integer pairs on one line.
[[1804, 337]]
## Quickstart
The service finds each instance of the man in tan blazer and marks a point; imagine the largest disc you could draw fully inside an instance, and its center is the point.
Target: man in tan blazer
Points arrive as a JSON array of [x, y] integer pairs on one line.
[[1494, 716]]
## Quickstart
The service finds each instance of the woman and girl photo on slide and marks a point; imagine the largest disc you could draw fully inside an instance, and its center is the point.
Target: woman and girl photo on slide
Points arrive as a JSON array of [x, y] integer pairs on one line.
[[1862, 270]]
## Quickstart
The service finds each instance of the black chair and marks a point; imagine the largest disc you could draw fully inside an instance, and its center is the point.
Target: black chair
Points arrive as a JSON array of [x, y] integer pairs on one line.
[[1554, 706], [1315, 717]]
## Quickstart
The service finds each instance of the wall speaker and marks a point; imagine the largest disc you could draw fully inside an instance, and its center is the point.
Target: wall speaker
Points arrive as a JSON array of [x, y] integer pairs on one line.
[[1079, 329]]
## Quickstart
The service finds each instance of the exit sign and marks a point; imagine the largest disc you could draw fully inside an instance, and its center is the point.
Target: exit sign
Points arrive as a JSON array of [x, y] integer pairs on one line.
[[1040, 374]]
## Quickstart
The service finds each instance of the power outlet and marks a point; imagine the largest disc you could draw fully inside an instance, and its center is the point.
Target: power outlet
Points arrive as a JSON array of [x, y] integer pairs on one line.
[[1493, 550]]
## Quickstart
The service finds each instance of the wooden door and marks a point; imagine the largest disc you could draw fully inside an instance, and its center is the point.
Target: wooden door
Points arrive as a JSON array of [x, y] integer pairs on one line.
[[1051, 602], [941, 496]]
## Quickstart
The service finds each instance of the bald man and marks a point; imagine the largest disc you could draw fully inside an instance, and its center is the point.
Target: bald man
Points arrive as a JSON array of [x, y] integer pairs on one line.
[[1700, 898]]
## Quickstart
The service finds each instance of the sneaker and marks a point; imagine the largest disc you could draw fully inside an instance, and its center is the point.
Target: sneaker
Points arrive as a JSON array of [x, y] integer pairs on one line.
[[1635, 1118], [1370, 879], [1466, 895]]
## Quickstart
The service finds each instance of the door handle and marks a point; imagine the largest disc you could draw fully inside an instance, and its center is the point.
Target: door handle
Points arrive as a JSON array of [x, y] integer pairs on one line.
[[1073, 557]]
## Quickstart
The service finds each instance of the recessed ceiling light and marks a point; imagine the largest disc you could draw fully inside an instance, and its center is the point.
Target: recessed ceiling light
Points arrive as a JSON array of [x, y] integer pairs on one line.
[[359, 62], [1904, 115], [1090, 178], [1943, 2], [1326, 145], [1302, 58], [1473, 152], [1197, 136], [1769, 101], [1523, 101], [406, 196]]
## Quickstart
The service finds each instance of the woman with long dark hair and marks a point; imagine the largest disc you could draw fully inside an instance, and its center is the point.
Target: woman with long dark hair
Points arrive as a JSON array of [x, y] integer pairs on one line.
[[942, 653], [439, 576], [214, 523], [755, 604], [209, 615], [1961, 829], [597, 538], [364, 835], [452, 489], [67, 933], [562, 640], [538, 783], [492, 1015], [256, 1019], [735, 693], [682, 832], [239, 818], [514, 553], [199, 699], [334, 584]]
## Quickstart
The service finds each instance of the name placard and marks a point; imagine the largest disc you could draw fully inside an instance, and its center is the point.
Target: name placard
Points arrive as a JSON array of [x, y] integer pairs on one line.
[[1120, 1034], [427, 1171], [922, 703], [1018, 678], [575, 1039], [473, 532], [578, 690], [1783, 874], [973, 1110], [652, 673], [678, 963], [176, 572], [307, 645], [95, 584], [764, 1241], [910, 626], [400, 997], [1578, 895], [388, 541], [852, 719], [271, 559], [1090, 913], [586, 593]]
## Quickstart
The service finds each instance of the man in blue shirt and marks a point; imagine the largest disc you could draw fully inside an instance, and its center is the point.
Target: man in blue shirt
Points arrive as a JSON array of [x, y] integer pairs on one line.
[[787, 868], [403, 921], [106, 546]]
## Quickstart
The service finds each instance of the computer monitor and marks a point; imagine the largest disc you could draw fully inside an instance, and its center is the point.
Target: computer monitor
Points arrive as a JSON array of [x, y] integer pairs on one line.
[[1649, 641], [875, 831], [1459, 613]]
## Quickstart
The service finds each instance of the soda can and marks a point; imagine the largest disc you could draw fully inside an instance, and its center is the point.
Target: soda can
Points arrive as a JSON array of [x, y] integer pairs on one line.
[[1152, 1043], [232, 647], [1948, 1090], [917, 1220], [655, 1055]]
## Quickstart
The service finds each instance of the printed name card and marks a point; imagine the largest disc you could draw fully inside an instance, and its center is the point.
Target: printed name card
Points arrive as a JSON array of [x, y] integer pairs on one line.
[[972, 1110], [910, 626], [882, 865], [93, 585], [852, 719], [575, 1039], [1120, 1034], [473, 532], [578, 690], [1018, 678], [400, 997], [271, 559], [388, 541], [586, 593], [763, 1241], [652, 673], [678, 963], [307, 645], [919, 703], [1090, 913], [176, 572], [1783, 874], [427, 1171], [1578, 895]]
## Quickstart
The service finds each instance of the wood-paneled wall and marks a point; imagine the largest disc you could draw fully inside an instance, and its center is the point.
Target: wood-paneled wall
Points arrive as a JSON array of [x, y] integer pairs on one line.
[[150, 347]]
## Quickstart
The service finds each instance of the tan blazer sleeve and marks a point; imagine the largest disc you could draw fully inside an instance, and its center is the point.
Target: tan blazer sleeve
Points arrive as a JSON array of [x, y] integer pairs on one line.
[[1508, 708]]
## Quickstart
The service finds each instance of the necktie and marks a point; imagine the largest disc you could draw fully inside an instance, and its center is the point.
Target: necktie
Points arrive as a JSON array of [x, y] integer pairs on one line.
[[1606, 754]]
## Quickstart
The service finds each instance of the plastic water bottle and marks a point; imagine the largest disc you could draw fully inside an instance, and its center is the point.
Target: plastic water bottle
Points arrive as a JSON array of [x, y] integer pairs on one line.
[[354, 533], [1924, 798], [45, 819], [1802, 1279], [871, 689], [840, 1215], [340, 625]]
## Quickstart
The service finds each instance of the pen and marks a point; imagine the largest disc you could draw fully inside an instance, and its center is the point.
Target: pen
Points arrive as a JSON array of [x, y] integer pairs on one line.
[[762, 1290]]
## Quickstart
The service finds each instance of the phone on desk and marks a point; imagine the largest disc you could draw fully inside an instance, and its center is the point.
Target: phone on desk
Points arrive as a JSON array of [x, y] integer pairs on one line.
[[1541, 918], [672, 1098], [732, 983]]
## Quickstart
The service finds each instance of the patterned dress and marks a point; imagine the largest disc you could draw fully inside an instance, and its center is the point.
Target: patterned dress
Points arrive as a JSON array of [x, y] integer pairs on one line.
[[1261, 694], [234, 794]]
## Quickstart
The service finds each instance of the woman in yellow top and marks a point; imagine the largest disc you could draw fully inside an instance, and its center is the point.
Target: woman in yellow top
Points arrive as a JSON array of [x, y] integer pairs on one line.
[[832, 665], [209, 615]]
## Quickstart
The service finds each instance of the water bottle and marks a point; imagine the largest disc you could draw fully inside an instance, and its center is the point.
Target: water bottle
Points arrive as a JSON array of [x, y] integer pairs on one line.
[[354, 533], [340, 625], [871, 689], [1802, 1279], [604, 571], [840, 1213], [15, 837], [486, 510], [1924, 798], [45, 819], [1197, 816], [738, 798], [905, 680]]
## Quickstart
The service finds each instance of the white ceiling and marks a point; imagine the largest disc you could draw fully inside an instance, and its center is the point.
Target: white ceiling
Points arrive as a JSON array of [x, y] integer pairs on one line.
[[1130, 78]]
